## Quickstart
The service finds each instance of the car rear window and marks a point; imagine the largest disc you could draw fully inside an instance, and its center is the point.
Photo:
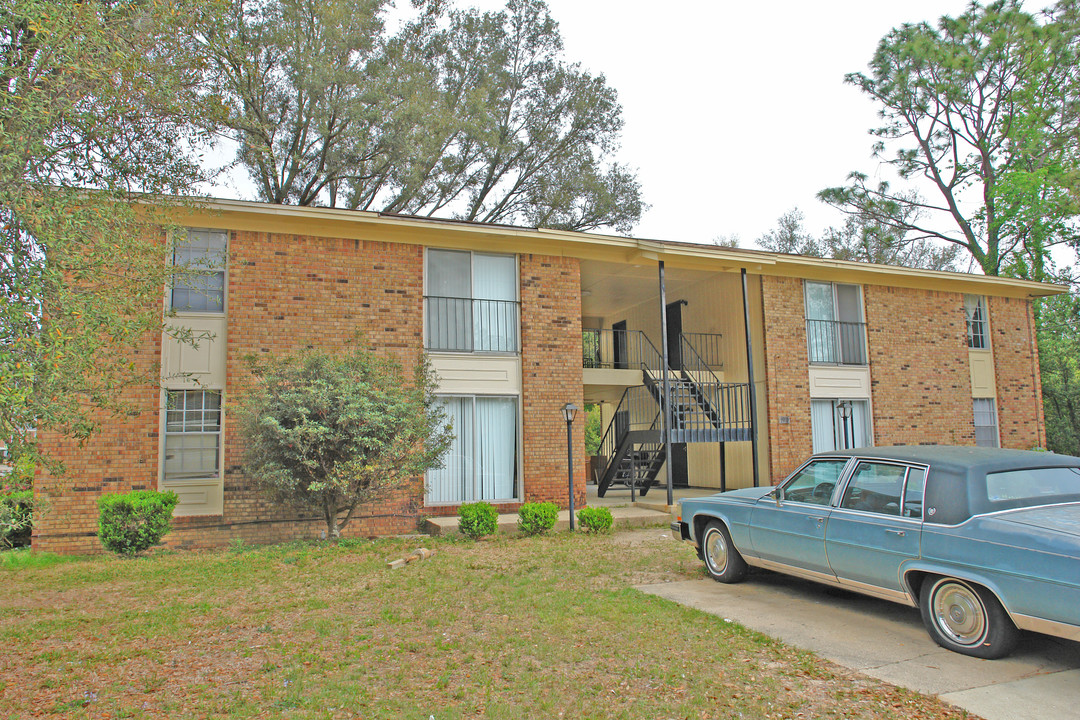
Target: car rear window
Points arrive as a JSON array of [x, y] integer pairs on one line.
[[1032, 487]]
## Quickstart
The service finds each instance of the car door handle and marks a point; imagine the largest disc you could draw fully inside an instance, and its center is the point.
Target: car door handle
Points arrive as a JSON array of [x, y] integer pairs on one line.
[[898, 533], [818, 520]]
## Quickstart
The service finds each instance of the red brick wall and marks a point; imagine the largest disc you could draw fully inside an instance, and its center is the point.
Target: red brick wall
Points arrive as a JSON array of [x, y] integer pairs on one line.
[[1016, 367], [919, 374], [120, 457], [286, 292], [787, 375], [551, 376]]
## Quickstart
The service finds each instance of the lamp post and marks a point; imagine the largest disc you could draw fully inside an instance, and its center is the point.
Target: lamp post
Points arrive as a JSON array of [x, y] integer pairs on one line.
[[569, 411], [844, 407]]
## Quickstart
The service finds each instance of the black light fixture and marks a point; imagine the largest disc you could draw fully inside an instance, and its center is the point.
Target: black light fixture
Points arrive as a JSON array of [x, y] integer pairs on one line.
[[844, 408], [568, 412]]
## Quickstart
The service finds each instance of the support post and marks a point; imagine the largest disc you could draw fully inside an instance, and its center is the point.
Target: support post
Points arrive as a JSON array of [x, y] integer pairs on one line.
[[666, 404], [750, 380]]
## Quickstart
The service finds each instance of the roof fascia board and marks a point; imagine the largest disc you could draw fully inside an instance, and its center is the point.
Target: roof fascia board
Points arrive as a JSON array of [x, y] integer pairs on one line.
[[373, 226]]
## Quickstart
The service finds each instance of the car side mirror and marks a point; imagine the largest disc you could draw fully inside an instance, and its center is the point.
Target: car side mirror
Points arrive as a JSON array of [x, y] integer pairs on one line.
[[778, 495]]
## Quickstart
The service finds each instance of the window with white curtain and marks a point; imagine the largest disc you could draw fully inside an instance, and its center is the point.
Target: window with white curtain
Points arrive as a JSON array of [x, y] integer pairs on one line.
[[482, 463], [986, 423], [471, 301], [192, 434], [835, 331], [840, 424]]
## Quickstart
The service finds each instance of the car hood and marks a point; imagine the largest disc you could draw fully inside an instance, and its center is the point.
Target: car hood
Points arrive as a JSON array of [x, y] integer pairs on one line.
[[1063, 519]]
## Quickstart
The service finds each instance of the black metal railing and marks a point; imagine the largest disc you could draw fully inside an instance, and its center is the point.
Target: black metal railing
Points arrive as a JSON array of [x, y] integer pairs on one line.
[[637, 410], [708, 347], [619, 350], [832, 342], [471, 325]]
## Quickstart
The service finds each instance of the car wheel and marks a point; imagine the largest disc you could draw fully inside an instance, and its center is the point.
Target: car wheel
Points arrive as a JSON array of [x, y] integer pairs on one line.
[[966, 618], [722, 560]]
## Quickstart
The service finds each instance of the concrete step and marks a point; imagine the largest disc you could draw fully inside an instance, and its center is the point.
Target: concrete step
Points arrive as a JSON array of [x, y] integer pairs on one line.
[[622, 517]]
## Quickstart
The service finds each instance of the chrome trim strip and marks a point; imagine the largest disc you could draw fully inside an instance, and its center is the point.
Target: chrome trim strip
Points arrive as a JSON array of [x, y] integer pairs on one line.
[[897, 596], [1048, 627], [791, 570]]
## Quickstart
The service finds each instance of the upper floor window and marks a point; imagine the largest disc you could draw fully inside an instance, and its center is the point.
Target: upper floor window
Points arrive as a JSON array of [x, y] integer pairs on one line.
[[198, 283], [471, 301], [834, 324], [978, 335]]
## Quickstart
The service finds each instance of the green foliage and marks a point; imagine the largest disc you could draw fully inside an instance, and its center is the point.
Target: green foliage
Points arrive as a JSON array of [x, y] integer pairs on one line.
[[132, 522], [537, 518], [979, 112], [99, 99], [328, 430], [16, 518], [1059, 365], [594, 430], [475, 113], [475, 520], [595, 520]]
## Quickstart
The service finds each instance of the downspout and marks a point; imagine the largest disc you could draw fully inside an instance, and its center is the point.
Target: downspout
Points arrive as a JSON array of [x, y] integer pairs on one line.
[[750, 380], [666, 396]]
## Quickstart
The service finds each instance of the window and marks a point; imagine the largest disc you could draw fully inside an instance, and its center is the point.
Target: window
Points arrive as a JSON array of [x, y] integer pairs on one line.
[[482, 463], [975, 313], [814, 483], [840, 424], [875, 487], [471, 302], [192, 434], [199, 283], [834, 324], [986, 424]]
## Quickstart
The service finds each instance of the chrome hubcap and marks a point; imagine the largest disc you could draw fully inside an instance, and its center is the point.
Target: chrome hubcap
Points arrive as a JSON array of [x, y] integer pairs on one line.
[[959, 613], [716, 551]]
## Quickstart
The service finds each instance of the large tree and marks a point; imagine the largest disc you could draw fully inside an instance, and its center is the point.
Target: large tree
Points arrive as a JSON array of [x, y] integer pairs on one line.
[[98, 101], [979, 120], [458, 112]]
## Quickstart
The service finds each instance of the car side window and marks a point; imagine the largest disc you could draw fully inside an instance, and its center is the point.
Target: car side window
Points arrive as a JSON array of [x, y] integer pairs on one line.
[[814, 483], [913, 492], [875, 487]]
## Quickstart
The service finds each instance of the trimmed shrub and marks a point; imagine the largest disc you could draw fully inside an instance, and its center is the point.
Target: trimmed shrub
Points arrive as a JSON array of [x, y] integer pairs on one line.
[[16, 518], [537, 518], [595, 520], [132, 522], [475, 520]]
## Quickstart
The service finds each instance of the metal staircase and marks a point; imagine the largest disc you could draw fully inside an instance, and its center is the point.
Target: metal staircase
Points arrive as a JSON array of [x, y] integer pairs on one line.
[[703, 409]]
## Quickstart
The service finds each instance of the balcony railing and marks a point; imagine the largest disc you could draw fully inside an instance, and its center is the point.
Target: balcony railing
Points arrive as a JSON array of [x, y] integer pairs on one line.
[[618, 350], [471, 325], [832, 342]]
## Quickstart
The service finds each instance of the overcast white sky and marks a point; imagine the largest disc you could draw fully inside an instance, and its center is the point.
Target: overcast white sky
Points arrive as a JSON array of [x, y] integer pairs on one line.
[[734, 112]]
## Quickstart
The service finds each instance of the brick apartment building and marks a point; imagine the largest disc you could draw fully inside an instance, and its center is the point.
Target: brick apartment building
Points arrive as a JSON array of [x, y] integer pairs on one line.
[[768, 356]]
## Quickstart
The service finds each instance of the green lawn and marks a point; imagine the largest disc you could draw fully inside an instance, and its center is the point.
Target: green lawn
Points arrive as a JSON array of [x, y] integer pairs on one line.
[[505, 628]]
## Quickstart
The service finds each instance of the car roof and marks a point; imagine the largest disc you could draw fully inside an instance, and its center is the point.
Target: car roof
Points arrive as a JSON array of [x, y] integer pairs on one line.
[[963, 459]]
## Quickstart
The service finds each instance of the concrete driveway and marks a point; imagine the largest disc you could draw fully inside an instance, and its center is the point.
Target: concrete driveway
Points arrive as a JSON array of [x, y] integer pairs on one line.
[[1041, 679]]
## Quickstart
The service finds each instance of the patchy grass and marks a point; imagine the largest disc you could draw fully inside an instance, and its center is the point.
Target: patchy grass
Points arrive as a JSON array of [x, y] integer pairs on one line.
[[507, 628]]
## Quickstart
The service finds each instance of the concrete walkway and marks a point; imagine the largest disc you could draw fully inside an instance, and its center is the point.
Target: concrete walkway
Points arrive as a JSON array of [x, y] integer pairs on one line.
[[1041, 679], [647, 511]]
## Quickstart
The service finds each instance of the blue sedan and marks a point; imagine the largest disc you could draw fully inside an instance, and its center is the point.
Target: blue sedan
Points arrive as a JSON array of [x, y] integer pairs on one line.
[[984, 541]]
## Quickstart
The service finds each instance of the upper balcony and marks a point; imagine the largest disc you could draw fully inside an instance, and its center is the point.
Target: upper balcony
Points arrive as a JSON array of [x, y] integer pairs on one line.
[[833, 342], [468, 325]]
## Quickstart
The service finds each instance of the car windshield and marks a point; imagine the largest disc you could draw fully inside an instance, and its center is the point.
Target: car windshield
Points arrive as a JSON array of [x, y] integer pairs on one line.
[[1035, 486]]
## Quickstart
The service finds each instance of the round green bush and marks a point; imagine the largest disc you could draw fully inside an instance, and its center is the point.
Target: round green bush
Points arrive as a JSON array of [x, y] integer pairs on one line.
[[595, 520], [475, 520], [537, 518], [132, 522]]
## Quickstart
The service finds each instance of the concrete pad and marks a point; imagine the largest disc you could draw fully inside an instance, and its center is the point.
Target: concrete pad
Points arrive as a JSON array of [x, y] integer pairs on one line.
[[887, 641]]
